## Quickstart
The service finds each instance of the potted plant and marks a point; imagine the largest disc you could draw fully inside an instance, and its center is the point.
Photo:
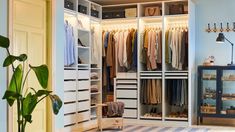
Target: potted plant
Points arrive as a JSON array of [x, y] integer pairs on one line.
[[26, 98]]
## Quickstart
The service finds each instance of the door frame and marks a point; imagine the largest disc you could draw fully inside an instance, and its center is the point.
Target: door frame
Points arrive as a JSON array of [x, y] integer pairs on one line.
[[51, 6]]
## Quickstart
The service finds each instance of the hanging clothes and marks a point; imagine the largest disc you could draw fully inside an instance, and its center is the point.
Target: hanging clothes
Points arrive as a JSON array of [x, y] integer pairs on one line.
[[119, 51], [95, 54], [177, 92], [152, 49], [176, 45], [151, 91], [69, 46]]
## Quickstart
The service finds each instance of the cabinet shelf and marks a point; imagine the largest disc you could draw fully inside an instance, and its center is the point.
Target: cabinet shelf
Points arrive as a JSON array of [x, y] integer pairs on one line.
[[219, 94]]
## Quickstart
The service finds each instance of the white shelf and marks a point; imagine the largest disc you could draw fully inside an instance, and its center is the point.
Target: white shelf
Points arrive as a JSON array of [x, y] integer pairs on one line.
[[83, 64], [95, 19], [95, 68], [83, 30], [152, 118], [95, 80], [177, 16], [175, 118], [83, 47], [70, 12], [95, 93], [93, 107]]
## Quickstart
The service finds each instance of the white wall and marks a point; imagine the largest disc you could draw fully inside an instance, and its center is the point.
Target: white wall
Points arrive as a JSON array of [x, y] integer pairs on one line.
[[3, 72]]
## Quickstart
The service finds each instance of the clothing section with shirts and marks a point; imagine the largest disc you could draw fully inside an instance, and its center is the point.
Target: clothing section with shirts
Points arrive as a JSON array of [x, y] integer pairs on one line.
[[69, 46], [151, 92], [176, 47], [141, 61], [177, 98], [152, 49], [119, 55], [151, 98], [124, 43]]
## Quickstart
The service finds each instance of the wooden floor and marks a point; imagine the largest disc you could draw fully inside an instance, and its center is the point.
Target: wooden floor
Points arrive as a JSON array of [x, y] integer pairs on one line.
[[140, 128]]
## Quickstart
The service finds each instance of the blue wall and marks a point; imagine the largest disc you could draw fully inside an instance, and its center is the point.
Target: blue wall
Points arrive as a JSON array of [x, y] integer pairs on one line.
[[58, 67], [3, 71], [210, 11]]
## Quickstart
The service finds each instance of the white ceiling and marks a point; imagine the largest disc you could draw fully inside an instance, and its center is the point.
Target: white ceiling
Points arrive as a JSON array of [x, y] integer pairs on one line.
[[113, 2]]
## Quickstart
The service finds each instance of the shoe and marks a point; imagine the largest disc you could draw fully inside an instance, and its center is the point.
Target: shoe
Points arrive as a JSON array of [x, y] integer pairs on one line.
[[79, 61], [80, 43]]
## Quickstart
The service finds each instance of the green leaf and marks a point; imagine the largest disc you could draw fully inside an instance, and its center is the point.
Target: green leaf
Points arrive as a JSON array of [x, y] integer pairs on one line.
[[16, 80], [42, 74], [22, 57], [43, 92], [29, 104], [11, 59], [56, 103], [10, 96], [4, 42]]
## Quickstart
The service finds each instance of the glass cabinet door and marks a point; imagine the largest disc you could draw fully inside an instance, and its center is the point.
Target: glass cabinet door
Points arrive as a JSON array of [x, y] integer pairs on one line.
[[228, 92], [208, 92]]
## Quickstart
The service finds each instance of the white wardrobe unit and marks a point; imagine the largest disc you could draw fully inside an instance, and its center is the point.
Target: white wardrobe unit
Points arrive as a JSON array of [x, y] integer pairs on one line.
[[79, 98], [79, 101]]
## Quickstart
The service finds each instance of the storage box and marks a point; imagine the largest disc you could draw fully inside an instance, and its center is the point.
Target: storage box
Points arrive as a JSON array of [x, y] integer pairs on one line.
[[95, 13], [176, 9], [68, 5], [118, 14], [130, 12], [82, 9], [106, 15], [231, 112]]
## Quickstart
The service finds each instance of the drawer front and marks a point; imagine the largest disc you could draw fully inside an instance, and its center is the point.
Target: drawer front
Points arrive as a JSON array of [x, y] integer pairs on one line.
[[69, 85], [83, 95], [83, 106], [130, 113], [83, 74], [129, 103], [69, 119], [126, 94], [83, 116], [69, 96], [69, 74], [82, 85], [69, 108]]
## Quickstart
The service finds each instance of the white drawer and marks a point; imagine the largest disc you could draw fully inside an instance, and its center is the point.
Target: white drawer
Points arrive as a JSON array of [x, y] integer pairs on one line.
[[83, 106], [70, 74], [130, 113], [129, 103], [69, 108], [69, 96], [83, 74], [83, 116], [69, 85], [126, 93], [83, 85], [69, 119], [83, 95]]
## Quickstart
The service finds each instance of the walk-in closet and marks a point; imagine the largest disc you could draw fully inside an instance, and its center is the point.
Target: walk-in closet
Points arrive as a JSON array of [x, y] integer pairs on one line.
[[123, 53]]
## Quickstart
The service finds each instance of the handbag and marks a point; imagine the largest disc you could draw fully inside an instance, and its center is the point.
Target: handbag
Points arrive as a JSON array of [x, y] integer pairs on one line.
[[152, 11]]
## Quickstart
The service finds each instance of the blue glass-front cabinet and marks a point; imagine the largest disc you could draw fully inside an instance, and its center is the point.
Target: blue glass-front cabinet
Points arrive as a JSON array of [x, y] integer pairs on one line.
[[216, 92]]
